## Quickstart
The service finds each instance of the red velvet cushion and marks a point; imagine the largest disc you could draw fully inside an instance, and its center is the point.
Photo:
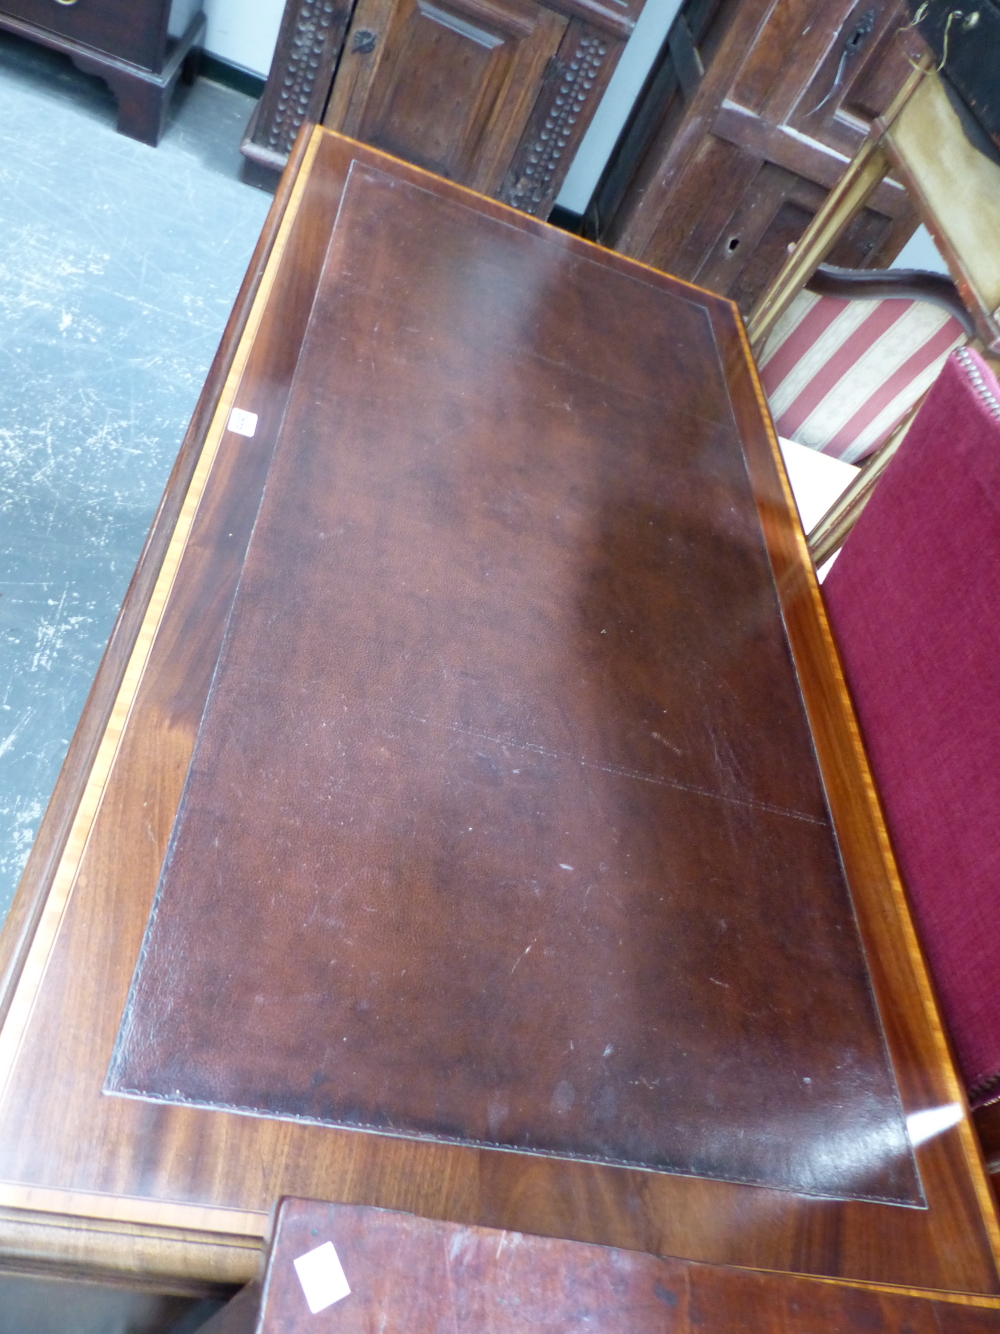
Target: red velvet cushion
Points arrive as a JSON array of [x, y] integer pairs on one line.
[[914, 601]]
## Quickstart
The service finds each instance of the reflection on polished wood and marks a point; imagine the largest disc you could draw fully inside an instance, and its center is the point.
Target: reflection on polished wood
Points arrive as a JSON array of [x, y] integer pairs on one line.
[[204, 1178]]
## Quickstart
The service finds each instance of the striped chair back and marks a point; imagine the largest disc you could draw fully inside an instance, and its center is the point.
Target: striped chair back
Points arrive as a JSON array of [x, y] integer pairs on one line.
[[841, 375]]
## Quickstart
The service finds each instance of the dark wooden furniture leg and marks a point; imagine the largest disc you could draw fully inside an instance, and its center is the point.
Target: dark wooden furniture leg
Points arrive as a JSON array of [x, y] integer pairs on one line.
[[143, 97], [141, 107]]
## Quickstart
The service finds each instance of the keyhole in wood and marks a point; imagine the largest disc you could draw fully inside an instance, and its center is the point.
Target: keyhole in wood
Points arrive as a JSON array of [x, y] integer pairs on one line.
[[860, 32]]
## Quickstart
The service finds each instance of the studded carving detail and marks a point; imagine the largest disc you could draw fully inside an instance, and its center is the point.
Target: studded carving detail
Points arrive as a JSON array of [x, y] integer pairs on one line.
[[542, 160], [311, 32]]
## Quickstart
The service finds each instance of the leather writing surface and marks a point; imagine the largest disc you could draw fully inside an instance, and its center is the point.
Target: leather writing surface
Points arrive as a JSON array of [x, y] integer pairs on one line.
[[503, 824]]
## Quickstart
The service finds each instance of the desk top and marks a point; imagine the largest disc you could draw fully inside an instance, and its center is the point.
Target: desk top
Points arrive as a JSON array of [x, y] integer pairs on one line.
[[503, 825], [524, 606]]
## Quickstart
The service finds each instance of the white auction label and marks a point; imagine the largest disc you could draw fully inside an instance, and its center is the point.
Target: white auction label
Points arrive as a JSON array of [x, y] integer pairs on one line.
[[242, 422], [322, 1277]]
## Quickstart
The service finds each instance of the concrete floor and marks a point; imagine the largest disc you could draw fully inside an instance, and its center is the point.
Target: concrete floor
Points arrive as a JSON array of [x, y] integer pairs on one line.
[[118, 267], [55, 1306]]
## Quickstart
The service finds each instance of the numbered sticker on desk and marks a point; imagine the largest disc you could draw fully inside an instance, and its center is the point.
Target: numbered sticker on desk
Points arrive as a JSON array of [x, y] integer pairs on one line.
[[322, 1277], [242, 422]]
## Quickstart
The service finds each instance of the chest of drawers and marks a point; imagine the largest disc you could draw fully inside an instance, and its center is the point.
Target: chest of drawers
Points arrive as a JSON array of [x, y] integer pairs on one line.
[[140, 48]]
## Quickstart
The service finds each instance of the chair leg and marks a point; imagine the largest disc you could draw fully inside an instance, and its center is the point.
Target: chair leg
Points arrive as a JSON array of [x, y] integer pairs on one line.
[[842, 205], [830, 532]]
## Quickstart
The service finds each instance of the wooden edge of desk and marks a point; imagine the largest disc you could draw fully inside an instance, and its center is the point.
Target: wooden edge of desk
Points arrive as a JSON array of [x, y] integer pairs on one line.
[[25, 912], [80, 1239], [190, 1251], [139, 621], [185, 1250], [845, 768]]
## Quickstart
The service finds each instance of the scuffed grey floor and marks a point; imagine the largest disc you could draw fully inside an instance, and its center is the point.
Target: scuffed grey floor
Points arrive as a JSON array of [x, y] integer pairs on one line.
[[118, 267]]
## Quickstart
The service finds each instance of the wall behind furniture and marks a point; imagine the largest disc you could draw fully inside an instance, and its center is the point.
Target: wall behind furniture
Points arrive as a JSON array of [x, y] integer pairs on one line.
[[243, 32], [619, 97], [920, 252]]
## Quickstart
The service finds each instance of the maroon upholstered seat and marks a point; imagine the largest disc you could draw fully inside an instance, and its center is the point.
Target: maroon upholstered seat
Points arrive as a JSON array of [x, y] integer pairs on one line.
[[914, 602]]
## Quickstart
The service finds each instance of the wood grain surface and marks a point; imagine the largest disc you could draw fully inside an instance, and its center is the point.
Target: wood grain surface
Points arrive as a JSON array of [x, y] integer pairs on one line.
[[68, 1150], [410, 1274]]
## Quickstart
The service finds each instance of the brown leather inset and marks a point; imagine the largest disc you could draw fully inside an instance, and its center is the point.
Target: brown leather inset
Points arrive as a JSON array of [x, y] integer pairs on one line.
[[503, 823]]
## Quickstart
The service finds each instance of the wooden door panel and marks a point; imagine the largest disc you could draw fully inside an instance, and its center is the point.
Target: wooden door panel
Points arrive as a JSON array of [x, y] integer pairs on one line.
[[789, 91], [759, 230], [797, 153], [678, 225], [805, 97], [771, 217], [734, 171], [865, 63], [447, 84], [879, 77], [767, 81]]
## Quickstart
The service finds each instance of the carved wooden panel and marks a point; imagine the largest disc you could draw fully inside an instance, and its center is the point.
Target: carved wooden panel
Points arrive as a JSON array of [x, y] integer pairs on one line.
[[309, 43], [749, 118], [574, 82], [447, 84]]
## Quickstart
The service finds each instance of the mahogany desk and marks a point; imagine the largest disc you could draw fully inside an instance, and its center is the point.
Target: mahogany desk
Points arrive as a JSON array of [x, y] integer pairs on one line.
[[822, 1130]]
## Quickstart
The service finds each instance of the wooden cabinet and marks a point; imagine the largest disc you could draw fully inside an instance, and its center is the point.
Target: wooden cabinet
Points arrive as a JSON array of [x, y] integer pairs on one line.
[[138, 47], [749, 117], [494, 94], [449, 85]]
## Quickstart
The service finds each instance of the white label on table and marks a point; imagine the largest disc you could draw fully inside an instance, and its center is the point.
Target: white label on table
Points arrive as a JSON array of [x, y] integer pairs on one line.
[[242, 422], [322, 1276]]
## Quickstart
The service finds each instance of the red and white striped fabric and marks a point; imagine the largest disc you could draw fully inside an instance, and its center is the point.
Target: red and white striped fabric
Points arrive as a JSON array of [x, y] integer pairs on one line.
[[840, 375]]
